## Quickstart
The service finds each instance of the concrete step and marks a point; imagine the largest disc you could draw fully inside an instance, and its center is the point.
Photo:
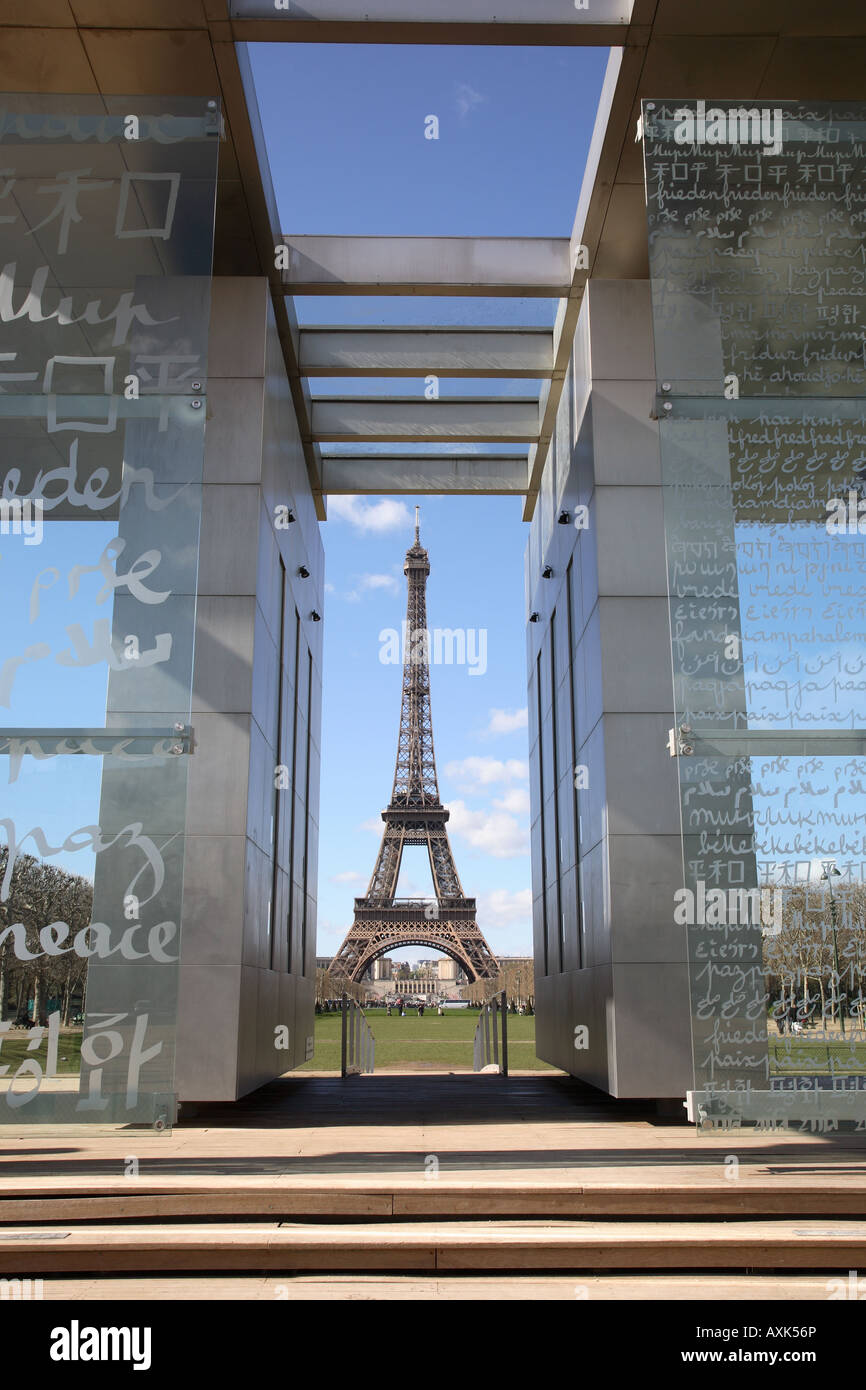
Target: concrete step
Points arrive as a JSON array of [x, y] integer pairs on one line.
[[450, 1246]]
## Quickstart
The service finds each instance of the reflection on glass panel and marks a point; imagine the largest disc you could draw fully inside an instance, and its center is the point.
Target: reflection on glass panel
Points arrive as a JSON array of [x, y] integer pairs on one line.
[[107, 223], [755, 243]]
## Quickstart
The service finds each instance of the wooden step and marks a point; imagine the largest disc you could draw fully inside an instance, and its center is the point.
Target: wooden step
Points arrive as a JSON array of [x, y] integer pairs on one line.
[[174, 1197], [441, 1246], [427, 1288]]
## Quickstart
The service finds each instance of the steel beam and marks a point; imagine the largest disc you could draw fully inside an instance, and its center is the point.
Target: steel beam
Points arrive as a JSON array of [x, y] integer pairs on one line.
[[525, 267], [342, 419], [772, 743], [418, 352], [396, 474], [609, 133], [238, 88], [549, 22], [561, 13]]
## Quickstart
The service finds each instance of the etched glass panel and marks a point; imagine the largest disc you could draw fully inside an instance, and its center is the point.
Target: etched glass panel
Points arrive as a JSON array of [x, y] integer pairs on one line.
[[106, 232], [759, 298]]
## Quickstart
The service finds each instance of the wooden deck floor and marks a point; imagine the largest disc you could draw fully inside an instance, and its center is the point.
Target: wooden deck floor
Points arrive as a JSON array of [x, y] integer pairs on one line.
[[401, 1128], [433, 1188]]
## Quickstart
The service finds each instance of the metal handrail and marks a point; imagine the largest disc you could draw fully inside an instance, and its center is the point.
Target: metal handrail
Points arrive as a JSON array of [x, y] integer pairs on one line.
[[491, 1036], [357, 1044]]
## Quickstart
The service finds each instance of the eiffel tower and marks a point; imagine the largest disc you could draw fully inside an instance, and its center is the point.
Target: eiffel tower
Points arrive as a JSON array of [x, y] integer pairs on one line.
[[415, 816]]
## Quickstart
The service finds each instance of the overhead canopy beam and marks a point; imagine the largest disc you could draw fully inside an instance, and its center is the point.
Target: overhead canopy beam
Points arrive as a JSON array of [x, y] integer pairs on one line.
[[565, 13], [492, 474], [610, 134], [558, 22], [342, 419], [418, 352], [526, 267]]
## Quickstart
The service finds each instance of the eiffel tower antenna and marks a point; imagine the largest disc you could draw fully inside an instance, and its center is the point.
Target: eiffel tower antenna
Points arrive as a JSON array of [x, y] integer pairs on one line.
[[415, 816]]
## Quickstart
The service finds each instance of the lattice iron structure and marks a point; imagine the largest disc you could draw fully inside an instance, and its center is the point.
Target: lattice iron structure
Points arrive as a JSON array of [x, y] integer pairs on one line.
[[415, 816]]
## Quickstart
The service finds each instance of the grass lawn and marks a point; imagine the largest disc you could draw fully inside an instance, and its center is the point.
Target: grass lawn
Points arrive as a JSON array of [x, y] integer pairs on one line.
[[430, 1041], [437, 1042], [13, 1050], [816, 1057]]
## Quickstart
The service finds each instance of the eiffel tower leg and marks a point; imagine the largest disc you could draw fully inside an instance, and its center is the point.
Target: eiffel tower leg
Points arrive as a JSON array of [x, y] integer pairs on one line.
[[445, 877], [383, 883]]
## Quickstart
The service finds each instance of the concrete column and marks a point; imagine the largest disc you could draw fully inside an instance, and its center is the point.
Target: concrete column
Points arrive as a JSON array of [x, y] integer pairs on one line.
[[247, 974], [616, 961]]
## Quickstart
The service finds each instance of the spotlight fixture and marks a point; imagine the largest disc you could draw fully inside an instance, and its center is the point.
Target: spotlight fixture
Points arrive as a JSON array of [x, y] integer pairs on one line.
[[316, 617], [564, 518], [533, 617], [303, 572], [547, 572]]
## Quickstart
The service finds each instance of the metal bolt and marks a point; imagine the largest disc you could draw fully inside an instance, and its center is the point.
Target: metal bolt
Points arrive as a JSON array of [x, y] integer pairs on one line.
[[650, 106], [176, 748], [196, 405], [668, 406], [196, 386], [211, 106], [666, 386], [179, 728]]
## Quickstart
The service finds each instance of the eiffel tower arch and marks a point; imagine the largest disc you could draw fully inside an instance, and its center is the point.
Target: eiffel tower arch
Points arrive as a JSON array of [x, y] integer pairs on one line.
[[415, 816]]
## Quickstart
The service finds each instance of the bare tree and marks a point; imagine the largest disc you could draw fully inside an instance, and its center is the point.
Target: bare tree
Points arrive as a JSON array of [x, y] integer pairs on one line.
[[38, 895]]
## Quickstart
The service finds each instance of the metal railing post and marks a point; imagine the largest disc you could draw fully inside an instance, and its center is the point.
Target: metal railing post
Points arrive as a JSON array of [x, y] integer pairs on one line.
[[504, 1035], [495, 1025], [357, 1044]]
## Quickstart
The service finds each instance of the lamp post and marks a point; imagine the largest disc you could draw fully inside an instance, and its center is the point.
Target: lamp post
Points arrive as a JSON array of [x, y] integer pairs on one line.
[[830, 871]]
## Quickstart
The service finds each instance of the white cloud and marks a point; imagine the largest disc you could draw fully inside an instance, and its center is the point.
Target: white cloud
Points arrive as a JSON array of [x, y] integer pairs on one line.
[[370, 516], [515, 800], [350, 876], [375, 823], [329, 936], [465, 98], [506, 721], [501, 907], [495, 832], [408, 888], [368, 583], [472, 773], [379, 581]]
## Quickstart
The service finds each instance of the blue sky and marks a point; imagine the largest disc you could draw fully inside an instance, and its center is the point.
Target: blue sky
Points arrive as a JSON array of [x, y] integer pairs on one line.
[[58, 794], [345, 133]]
